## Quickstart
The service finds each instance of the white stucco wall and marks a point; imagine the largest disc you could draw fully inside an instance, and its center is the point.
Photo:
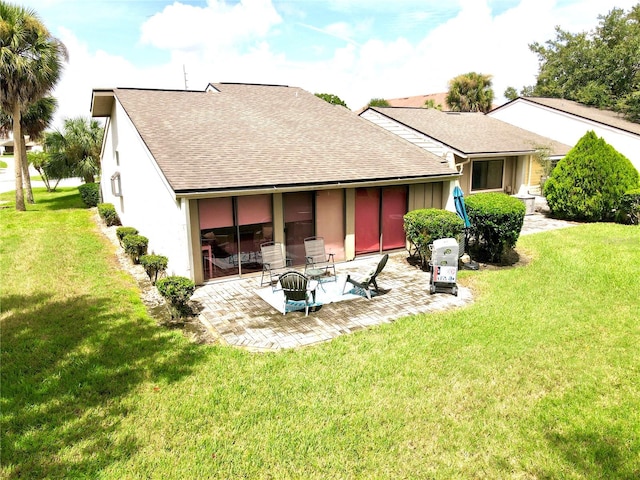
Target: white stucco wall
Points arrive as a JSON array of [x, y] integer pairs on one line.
[[567, 128], [147, 203]]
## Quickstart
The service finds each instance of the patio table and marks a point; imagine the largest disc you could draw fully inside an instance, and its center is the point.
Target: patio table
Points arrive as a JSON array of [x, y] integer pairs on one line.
[[316, 274]]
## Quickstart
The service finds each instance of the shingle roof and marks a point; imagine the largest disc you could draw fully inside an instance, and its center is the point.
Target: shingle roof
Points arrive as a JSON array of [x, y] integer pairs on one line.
[[419, 101], [472, 133], [252, 136], [606, 117]]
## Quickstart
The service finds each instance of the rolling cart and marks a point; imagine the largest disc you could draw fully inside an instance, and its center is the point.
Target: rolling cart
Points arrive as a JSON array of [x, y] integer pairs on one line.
[[444, 266]]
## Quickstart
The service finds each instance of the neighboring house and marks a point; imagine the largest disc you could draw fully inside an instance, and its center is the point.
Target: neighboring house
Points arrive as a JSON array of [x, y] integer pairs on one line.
[[567, 121], [490, 154], [209, 175], [6, 146], [419, 101]]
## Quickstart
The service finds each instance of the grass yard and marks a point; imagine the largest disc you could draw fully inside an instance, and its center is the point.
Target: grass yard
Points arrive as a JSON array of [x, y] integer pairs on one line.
[[538, 379]]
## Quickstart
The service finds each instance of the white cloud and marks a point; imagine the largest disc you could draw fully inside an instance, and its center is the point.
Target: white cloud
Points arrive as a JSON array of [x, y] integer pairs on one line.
[[223, 42], [218, 26], [88, 70]]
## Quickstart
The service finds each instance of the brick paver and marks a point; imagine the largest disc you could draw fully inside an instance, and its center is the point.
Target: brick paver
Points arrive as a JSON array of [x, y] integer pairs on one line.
[[233, 312]]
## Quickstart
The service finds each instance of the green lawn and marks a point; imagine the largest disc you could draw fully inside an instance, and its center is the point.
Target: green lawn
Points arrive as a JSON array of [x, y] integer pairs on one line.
[[539, 378]]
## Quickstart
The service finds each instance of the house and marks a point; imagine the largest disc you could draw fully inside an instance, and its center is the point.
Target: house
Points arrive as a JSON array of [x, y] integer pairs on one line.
[[209, 175], [567, 121], [6, 145], [419, 101], [490, 154]]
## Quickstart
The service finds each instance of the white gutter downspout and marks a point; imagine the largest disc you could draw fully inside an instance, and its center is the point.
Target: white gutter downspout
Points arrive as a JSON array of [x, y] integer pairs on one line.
[[450, 203]]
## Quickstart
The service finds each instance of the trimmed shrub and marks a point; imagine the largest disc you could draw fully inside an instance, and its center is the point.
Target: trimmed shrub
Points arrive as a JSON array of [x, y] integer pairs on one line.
[[496, 221], [154, 265], [177, 290], [135, 246], [423, 226], [589, 182], [122, 232], [629, 210], [108, 213], [90, 193]]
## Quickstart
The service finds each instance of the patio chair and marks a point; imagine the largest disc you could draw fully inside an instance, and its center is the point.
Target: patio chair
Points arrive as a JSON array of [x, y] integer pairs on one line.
[[368, 282], [296, 288], [317, 258], [273, 262]]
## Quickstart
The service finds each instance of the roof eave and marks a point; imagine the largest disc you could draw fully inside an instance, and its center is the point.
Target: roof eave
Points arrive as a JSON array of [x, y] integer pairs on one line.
[[102, 102], [284, 188]]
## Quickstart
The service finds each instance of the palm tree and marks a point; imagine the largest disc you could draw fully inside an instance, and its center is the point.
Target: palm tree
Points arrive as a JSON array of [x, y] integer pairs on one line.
[[30, 65], [78, 147], [470, 92], [35, 120]]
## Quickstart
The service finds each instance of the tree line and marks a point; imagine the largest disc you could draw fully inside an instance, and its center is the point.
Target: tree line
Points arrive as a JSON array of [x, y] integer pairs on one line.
[[600, 68], [31, 63]]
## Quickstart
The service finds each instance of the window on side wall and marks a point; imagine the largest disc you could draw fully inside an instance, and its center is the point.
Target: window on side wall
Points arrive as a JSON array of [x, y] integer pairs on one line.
[[487, 175], [116, 186]]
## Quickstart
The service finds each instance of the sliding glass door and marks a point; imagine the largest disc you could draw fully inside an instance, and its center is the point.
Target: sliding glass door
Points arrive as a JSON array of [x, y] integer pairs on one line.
[[298, 224], [380, 219], [231, 231]]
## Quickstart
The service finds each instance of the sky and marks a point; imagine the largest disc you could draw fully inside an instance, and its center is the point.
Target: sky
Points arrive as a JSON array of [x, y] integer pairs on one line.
[[356, 49]]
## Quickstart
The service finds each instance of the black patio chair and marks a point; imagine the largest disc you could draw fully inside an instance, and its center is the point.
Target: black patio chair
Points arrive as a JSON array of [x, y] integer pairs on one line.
[[297, 288], [368, 282]]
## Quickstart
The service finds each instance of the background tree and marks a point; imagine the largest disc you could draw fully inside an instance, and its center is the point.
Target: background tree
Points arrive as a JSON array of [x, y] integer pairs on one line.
[[378, 102], [599, 68], [431, 103], [30, 65], [510, 93], [35, 121], [77, 148], [50, 172], [332, 99], [470, 92]]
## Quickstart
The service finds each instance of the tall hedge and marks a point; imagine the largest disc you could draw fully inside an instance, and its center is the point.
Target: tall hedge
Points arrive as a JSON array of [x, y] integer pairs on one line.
[[90, 194], [496, 222], [589, 182]]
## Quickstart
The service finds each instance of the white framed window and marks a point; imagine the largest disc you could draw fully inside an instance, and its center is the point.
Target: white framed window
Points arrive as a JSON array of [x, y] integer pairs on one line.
[[487, 174], [116, 185]]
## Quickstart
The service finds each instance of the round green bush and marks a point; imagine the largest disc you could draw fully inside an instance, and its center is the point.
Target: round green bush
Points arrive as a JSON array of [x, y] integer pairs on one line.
[[135, 246], [154, 265], [629, 210], [122, 232], [496, 222], [588, 184], [90, 194], [425, 225], [108, 213], [177, 290]]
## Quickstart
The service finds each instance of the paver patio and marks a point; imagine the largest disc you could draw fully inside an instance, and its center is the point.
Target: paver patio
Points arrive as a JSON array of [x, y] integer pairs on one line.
[[233, 312]]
